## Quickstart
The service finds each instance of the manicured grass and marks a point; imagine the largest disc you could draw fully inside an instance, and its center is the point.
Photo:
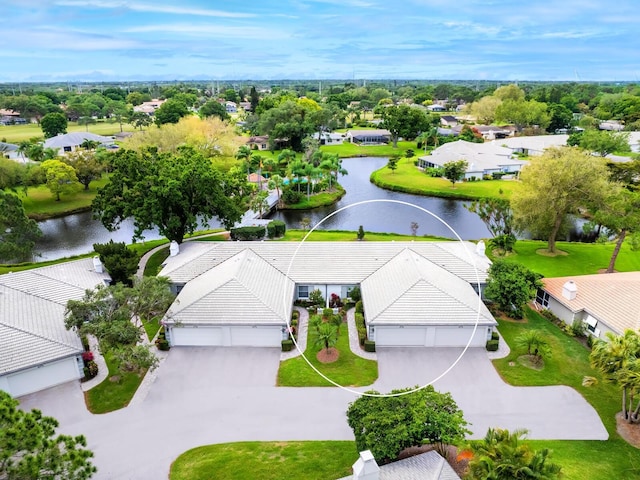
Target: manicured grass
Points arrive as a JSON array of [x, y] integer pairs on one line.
[[349, 370], [582, 258], [345, 235], [151, 328], [19, 133], [409, 179], [266, 461], [39, 203], [110, 396], [154, 263], [322, 199], [349, 149], [568, 365]]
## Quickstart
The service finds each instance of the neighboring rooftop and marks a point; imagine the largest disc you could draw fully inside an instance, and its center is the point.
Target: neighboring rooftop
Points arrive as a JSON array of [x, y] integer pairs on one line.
[[424, 466], [74, 139]]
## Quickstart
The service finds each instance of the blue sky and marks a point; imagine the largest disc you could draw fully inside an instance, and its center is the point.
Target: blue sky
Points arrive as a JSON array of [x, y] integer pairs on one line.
[[47, 40]]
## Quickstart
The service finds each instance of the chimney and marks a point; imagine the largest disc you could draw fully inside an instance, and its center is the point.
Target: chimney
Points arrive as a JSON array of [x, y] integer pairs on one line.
[[570, 290], [480, 248], [174, 248], [366, 467], [97, 265]]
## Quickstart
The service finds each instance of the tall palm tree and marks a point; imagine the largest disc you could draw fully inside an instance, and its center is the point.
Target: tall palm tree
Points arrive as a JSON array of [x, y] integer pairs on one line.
[[243, 154], [257, 161], [326, 335], [23, 149], [296, 169], [286, 157], [276, 181], [310, 172]]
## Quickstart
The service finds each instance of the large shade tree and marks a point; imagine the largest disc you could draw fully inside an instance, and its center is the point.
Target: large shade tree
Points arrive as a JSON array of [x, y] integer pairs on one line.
[[17, 232], [511, 285], [61, 179], [555, 185], [173, 192], [31, 450]]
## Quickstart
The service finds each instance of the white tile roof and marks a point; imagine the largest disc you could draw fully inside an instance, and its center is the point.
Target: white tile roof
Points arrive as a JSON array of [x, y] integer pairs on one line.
[[480, 156], [74, 139], [613, 298], [410, 289], [32, 305], [243, 289], [424, 466]]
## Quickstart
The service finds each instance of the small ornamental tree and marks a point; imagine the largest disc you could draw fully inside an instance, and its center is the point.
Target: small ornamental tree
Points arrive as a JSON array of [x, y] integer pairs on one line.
[[60, 178], [387, 425], [454, 171], [120, 261], [392, 164], [511, 285], [360, 233], [31, 450]]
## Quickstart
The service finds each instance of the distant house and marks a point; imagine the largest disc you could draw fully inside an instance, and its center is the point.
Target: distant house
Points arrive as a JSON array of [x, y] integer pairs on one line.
[[424, 466], [69, 142], [149, 107], [535, 145], [36, 350], [329, 138], [449, 132], [492, 132], [231, 107], [260, 142], [482, 158], [368, 137], [448, 121], [258, 180], [611, 125], [603, 302], [436, 108], [10, 151], [246, 106], [11, 117]]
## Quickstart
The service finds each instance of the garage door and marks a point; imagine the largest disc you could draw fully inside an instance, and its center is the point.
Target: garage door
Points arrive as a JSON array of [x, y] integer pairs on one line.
[[45, 376], [256, 336], [400, 337], [458, 337], [196, 336]]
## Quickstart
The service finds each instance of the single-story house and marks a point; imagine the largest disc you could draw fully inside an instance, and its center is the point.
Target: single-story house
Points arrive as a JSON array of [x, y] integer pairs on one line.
[[149, 107], [448, 120], [368, 137], [68, 142], [36, 350], [10, 151], [259, 142], [231, 107], [482, 158], [449, 132], [424, 466], [329, 138], [534, 145], [611, 125], [240, 293], [436, 108], [604, 302], [492, 132], [246, 106]]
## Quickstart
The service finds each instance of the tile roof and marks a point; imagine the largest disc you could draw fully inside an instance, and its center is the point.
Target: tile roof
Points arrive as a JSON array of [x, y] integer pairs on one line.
[[613, 298], [74, 139], [409, 289], [424, 466], [32, 305]]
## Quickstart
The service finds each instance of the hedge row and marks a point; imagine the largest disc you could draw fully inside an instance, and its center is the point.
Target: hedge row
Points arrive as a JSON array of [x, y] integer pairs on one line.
[[275, 228], [361, 328]]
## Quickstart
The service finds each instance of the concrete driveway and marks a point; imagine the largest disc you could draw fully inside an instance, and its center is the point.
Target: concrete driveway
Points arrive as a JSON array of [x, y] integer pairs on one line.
[[205, 395], [552, 413]]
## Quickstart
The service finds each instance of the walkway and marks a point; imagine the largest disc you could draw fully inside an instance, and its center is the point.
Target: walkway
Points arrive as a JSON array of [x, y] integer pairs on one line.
[[354, 341], [303, 328]]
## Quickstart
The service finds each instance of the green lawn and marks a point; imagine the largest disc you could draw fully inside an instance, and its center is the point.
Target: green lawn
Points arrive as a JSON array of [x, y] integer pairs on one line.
[[321, 199], [19, 133], [568, 365], [349, 370], [110, 396], [345, 236], [154, 263], [40, 204], [349, 149], [266, 461], [582, 258], [409, 179]]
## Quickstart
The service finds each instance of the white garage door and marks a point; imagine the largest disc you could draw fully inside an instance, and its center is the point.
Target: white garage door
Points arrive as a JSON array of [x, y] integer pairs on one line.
[[387, 336], [458, 337], [45, 376], [256, 336], [196, 336]]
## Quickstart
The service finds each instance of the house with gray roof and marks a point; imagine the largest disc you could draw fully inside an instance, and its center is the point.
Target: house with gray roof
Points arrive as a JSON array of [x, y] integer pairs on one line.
[[36, 350], [10, 151], [413, 293], [68, 142], [424, 466], [368, 137]]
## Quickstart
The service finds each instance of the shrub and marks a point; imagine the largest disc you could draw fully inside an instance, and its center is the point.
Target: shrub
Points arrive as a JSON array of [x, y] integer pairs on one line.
[[87, 357], [295, 315], [287, 345], [492, 345], [316, 298], [359, 308], [361, 328], [294, 322], [578, 328], [495, 336], [327, 313], [497, 175], [335, 301], [369, 346], [271, 230], [118, 259], [355, 294], [291, 197], [281, 227], [92, 368], [247, 233], [162, 344], [360, 233]]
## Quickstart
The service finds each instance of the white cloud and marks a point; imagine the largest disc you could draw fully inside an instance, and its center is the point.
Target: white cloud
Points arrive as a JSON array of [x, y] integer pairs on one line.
[[570, 34], [259, 33], [151, 8]]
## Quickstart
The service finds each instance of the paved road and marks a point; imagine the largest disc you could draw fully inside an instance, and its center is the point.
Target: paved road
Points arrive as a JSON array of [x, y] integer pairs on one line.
[[205, 395]]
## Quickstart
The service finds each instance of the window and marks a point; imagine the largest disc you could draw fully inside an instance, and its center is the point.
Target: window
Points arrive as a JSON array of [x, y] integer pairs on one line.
[[67, 149], [542, 298], [592, 323], [303, 291]]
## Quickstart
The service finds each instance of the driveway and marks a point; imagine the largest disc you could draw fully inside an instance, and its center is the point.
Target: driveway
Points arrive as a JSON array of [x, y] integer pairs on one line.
[[552, 413], [205, 395]]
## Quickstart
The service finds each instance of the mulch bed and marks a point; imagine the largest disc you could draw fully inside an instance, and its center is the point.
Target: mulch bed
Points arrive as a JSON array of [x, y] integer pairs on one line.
[[328, 355], [629, 432]]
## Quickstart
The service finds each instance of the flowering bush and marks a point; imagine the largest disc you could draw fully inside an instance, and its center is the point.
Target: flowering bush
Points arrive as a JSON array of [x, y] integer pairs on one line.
[[87, 357]]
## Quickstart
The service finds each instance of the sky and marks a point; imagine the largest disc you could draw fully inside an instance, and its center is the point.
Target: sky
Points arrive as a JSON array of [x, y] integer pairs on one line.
[[94, 40]]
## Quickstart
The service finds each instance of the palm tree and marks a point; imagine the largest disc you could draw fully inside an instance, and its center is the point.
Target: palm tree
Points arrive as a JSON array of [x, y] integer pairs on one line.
[[326, 335], [296, 169], [534, 342], [286, 156], [276, 181], [327, 169], [88, 144], [257, 161], [23, 149], [310, 172], [244, 154], [35, 152]]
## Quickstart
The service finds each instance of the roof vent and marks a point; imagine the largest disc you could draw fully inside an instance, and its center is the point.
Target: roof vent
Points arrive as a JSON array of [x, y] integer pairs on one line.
[[480, 248], [174, 248], [366, 467], [570, 290], [97, 265]]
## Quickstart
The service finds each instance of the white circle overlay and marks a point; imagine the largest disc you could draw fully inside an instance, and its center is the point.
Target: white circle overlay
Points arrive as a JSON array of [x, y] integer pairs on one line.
[[471, 261]]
